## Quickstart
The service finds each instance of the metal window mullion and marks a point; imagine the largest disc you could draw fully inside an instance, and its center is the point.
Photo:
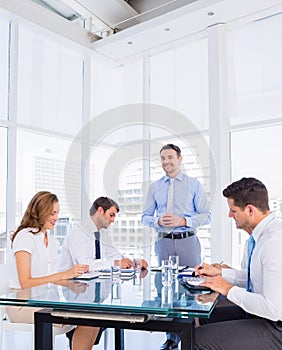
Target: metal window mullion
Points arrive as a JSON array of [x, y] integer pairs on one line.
[[12, 136], [221, 238], [85, 142], [146, 154]]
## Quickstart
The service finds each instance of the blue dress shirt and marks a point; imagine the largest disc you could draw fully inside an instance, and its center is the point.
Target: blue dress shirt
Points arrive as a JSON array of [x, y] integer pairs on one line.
[[189, 201]]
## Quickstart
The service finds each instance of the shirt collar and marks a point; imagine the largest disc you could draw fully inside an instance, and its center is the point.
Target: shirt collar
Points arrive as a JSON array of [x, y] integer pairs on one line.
[[178, 177], [261, 226], [89, 227]]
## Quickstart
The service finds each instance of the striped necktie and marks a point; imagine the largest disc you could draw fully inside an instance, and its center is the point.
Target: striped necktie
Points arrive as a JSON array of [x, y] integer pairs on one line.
[[97, 245], [251, 245]]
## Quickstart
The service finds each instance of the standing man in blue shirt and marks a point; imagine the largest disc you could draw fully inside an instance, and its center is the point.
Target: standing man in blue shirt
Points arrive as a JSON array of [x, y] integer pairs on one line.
[[176, 216]]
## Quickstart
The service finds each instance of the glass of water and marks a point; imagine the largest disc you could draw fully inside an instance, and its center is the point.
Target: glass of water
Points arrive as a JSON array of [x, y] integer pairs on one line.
[[166, 273], [167, 297], [115, 274], [174, 261]]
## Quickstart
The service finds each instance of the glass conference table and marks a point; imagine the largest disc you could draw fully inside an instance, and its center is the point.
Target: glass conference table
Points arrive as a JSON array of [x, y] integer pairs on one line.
[[134, 303]]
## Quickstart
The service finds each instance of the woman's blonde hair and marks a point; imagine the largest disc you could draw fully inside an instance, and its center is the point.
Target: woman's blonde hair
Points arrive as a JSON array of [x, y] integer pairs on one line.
[[37, 212]]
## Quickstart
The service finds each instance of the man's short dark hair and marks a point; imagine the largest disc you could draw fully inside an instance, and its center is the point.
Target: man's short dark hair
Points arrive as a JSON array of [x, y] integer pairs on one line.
[[172, 146], [104, 202], [246, 191]]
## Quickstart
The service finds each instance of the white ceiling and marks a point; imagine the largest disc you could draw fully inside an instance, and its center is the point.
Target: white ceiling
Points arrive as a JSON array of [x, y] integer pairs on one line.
[[117, 14], [182, 22], [142, 24]]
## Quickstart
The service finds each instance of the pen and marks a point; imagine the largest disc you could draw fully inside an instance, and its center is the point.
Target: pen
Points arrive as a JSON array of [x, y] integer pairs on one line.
[[201, 266], [193, 273]]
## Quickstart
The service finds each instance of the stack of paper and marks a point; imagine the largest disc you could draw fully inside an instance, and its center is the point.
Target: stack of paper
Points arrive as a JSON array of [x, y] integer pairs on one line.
[[87, 276], [125, 273]]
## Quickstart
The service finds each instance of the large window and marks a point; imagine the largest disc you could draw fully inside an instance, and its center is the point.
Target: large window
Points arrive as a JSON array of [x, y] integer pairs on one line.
[[49, 83], [114, 86], [41, 162], [47, 90], [117, 171], [256, 70], [115, 155], [256, 153], [179, 80], [255, 100]]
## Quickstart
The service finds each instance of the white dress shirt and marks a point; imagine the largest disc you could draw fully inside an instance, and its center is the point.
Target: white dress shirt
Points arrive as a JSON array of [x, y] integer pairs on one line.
[[265, 272], [79, 248], [44, 260]]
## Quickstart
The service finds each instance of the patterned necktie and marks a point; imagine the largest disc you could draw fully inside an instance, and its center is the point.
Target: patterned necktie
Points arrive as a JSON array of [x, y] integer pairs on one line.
[[97, 245], [251, 245]]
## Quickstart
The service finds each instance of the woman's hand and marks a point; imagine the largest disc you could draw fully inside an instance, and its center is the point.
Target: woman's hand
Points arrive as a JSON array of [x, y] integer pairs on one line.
[[75, 271]]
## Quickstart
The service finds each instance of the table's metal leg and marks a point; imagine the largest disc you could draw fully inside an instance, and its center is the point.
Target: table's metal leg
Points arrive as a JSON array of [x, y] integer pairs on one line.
[[106, 339], [43, 336], [188, 337], [119, 339]]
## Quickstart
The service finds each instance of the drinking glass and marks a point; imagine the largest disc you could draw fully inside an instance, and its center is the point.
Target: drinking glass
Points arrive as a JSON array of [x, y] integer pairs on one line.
[[166, 273], [115, 274], [174, 261]]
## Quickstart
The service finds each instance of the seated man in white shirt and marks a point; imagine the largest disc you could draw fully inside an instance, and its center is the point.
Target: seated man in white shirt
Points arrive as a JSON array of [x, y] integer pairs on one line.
[[255, 321], [80, 242]]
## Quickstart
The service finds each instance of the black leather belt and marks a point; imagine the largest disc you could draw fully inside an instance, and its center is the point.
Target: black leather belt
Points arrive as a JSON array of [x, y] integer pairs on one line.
[[179, 235]]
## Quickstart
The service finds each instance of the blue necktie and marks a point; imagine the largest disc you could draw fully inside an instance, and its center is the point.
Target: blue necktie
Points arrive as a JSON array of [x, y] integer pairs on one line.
[[251, 245], [97, 292], [97, 245]]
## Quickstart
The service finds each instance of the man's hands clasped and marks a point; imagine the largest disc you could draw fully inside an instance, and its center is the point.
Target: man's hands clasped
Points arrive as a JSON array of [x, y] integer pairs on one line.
[[171, 220]]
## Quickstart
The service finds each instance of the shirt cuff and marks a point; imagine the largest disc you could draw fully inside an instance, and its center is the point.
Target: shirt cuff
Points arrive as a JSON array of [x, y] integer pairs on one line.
[[188, 220], [229, 275], [156, 223]]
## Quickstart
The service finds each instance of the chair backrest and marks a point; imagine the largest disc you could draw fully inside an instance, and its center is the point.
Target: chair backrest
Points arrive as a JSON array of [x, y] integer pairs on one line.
[[6, 271]]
